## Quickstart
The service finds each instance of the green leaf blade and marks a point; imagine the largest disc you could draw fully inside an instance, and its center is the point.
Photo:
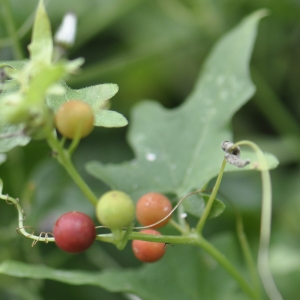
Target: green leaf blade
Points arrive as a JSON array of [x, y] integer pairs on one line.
[[109, 118], [180, 150], [195, 206], [195, 276], [96, 96]]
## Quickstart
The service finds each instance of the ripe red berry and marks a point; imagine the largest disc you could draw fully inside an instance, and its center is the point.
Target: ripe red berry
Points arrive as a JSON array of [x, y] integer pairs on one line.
[[148, 251], [74, 232], [74, 118], [153, 207]]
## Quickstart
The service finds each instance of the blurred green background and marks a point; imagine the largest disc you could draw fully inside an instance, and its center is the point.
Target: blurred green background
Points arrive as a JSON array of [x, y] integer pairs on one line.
[[154, 50]]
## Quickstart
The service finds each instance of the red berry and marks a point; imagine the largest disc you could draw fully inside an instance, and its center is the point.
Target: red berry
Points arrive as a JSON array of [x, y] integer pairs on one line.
[[74, 232], [148, 251], [153, 207]]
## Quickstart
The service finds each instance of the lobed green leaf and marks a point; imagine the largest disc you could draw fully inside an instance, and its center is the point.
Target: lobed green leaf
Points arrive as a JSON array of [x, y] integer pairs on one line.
[[177, 151]]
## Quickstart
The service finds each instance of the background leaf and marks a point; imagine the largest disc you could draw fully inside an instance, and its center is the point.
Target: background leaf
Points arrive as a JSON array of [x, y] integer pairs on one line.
[[179, 150], [12, 136], [193, 276]]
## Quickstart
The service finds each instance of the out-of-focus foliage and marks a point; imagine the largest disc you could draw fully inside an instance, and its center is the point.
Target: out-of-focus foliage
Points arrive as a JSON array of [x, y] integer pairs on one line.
[[153, 50]]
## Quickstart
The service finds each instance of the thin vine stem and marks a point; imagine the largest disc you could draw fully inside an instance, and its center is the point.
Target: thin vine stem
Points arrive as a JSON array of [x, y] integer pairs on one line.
[[64, 159], [43, 237], [182, 226], [247, 254], [211, 199], [226, 264], [265, 229], [178, 227]]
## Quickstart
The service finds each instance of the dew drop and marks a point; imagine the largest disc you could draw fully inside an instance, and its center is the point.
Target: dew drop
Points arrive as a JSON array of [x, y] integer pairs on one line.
[[151, 156]]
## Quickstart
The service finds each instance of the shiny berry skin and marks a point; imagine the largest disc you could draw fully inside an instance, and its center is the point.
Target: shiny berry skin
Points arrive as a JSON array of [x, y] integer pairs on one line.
[[74, 232], [153, 207], [115, 209], [148, 251], [74, 118]]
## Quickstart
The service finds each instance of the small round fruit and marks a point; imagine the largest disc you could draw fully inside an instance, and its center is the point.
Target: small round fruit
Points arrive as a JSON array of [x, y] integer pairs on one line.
[[74, 118], [74, 232], [148, 251], [115, 209], [153, 207]]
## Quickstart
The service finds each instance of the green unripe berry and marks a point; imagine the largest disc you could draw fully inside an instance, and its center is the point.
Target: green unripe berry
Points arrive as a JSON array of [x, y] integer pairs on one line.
[[115, 209]]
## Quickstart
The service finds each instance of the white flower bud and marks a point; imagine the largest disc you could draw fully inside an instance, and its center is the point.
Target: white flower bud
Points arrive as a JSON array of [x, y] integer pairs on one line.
[[66, 32]]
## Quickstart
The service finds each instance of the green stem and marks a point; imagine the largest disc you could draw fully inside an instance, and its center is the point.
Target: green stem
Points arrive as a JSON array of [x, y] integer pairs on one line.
[[181, 221], [191, 239], [74, 145], [248, 255], [167, 239], [211, 199], [177, 226], [226, 264], [64, 159], [11, 29], [265, 229]]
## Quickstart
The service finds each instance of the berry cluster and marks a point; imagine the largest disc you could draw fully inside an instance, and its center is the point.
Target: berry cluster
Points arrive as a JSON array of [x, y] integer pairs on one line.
[[75, 232]]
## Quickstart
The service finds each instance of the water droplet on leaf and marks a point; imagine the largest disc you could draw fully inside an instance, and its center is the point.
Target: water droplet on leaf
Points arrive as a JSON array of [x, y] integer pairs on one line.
[[151, 156]]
